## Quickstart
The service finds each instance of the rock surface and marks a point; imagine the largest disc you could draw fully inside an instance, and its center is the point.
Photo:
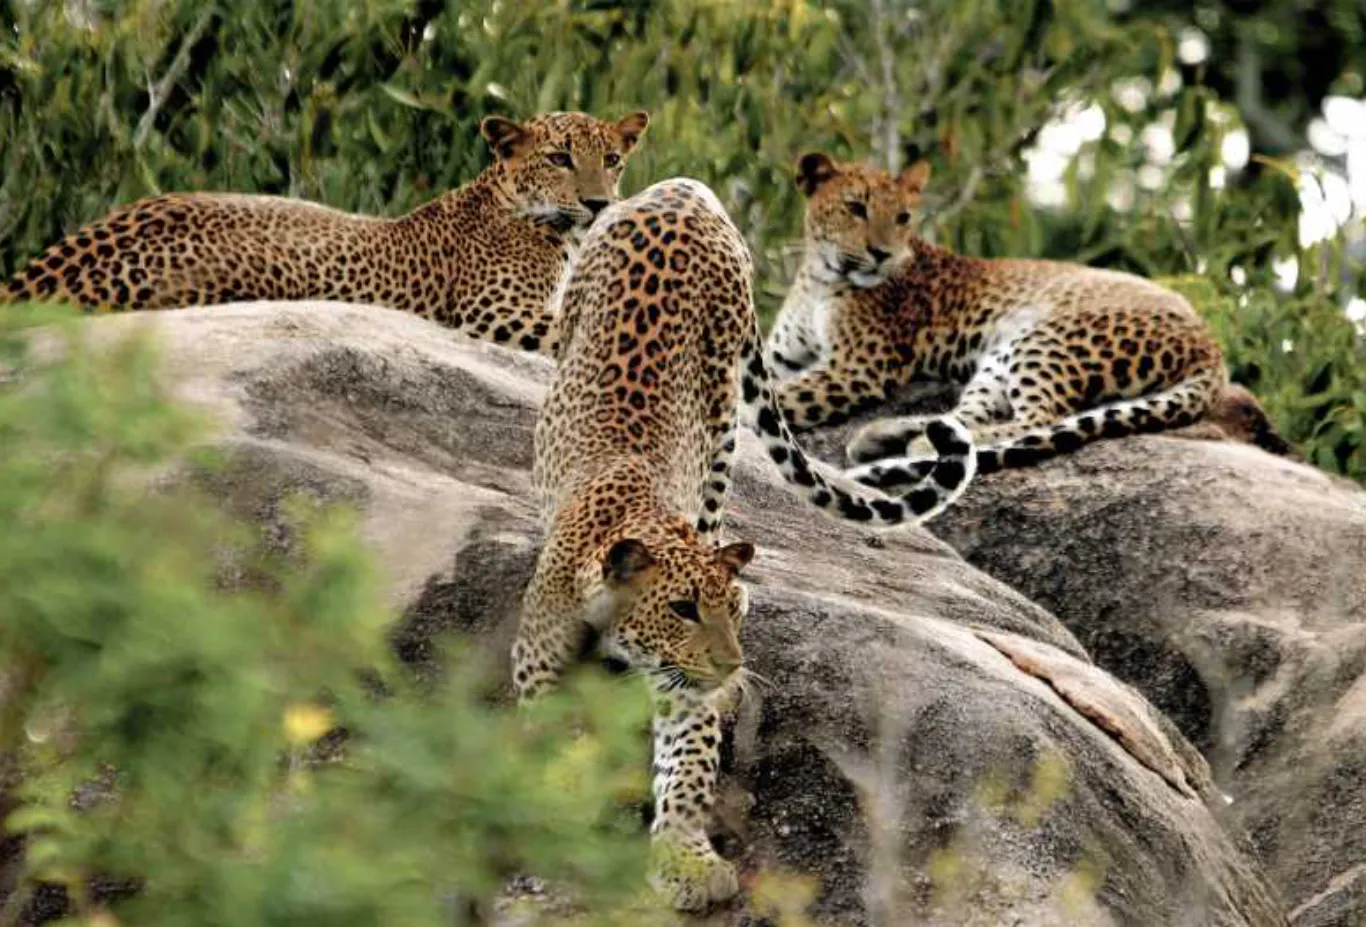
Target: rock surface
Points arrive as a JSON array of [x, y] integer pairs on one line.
[[1229, 586], [900, 756]]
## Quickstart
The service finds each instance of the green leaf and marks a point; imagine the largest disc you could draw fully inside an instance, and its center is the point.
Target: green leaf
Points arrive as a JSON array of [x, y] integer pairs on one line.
[[31, 818], [403, 96]]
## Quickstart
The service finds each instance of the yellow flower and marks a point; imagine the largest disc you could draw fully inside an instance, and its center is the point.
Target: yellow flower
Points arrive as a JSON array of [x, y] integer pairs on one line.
[[305, 723]]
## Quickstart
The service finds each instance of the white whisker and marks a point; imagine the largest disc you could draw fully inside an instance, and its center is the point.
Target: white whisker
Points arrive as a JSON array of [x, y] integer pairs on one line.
[[748, 675]]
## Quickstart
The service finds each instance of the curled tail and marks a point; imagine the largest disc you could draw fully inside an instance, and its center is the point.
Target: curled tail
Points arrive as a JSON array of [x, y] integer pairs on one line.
[[944, 480], [1174, 407]]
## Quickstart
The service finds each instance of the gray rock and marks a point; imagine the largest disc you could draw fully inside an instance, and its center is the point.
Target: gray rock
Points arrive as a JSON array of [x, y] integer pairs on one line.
[[1229, 586], [898, 753]]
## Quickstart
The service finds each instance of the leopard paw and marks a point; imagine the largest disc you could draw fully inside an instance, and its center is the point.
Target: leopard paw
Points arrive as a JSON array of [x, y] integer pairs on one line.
[[888, 437], [692, 878]]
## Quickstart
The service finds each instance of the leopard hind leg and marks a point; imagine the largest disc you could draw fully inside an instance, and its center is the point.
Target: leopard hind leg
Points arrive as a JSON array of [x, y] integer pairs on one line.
[[717, 482]]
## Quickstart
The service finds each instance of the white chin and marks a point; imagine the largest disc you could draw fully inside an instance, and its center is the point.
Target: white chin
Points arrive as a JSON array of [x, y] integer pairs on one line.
[[864, 280], [612, 649], [824, 273], [566, 219]]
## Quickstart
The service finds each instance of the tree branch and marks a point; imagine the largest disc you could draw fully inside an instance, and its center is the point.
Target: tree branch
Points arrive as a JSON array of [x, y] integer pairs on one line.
[[852, 56], [158, 92], [889, 122], [1273, 133], [966, 193], [9, 198]]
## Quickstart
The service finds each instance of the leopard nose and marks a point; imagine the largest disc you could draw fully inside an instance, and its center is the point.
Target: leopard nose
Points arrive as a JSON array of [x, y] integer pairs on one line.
[[595, 206], [878, 254]]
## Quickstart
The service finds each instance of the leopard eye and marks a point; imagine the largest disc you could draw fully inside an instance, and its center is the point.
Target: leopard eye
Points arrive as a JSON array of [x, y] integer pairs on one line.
[[560, 159], [902, 218], [686, 610], [611, 159], [857, 209]]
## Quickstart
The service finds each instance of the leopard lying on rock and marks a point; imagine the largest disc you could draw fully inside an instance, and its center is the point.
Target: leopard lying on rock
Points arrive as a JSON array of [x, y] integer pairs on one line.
[[485, 259], [1052, 355]]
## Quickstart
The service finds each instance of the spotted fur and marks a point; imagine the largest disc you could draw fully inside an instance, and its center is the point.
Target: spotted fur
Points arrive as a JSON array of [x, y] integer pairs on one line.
[[660, 347], [1235, 416], [1052, 355], [485, 259]]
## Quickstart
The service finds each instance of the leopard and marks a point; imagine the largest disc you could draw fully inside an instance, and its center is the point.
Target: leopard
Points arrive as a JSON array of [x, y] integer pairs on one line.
[[1050, 355], [660, 352], [485, 259]]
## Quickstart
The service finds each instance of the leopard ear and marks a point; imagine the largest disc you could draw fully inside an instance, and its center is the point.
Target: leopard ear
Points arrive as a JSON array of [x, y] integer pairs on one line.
[[625, 560], [504, 136], [814, 169], [632, 127], [914, 178], [735, 557]]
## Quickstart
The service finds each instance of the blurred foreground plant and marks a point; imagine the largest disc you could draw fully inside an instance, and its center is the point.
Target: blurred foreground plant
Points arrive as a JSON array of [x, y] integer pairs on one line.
[[163, 727]]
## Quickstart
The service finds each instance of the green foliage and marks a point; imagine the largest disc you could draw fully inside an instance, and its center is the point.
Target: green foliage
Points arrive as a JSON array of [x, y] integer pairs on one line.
[[1301, 357], [182, 715], [374, 105], [1281, 59]]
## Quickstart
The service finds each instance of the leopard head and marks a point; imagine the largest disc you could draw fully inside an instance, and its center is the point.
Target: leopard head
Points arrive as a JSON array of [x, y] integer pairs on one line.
[[858, 218], [671, 607], [562, 169]]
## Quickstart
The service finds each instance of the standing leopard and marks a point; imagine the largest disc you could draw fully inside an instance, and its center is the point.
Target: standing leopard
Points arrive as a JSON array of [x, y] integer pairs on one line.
[[633, 449], [485, 259], [1052, 355]]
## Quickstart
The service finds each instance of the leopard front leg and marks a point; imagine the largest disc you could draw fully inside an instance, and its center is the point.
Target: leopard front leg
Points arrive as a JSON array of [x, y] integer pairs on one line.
[[861, 366], [687, 758], [546, 641], [792, 346], [830, 395]]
